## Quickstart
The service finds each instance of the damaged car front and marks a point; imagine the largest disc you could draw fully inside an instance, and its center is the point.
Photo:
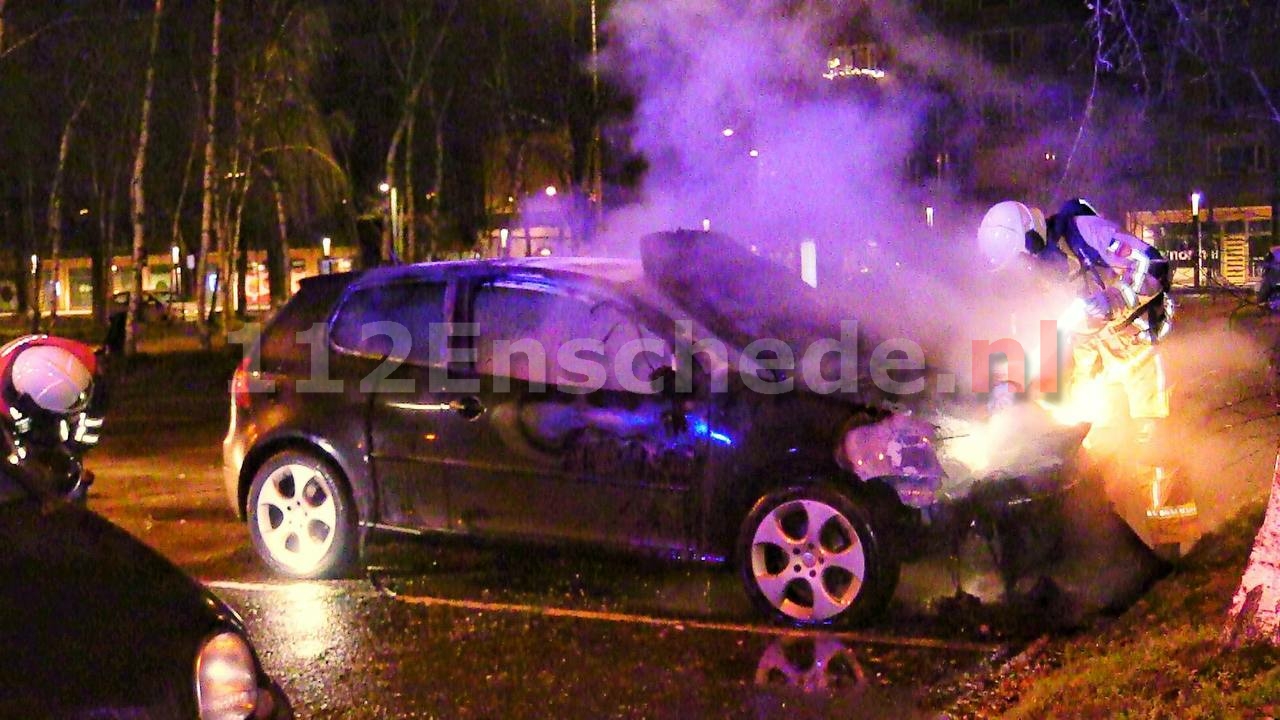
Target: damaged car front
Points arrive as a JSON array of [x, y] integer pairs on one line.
[[920, 468]]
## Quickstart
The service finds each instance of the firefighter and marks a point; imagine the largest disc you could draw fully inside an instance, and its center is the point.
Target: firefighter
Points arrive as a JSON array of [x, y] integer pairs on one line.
[[1121, 313]]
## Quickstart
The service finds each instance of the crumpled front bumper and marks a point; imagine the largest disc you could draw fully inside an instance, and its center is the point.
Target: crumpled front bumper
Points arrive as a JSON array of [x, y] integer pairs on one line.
[[945, 460]]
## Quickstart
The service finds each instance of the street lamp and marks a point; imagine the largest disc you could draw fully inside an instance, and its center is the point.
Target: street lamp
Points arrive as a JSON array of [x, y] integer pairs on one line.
[[326, 246], [1195, 220], [387, 188], [176, 255]]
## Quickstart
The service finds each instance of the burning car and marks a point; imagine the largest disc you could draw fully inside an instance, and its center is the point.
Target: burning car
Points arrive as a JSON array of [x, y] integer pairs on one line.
[[612, 404]]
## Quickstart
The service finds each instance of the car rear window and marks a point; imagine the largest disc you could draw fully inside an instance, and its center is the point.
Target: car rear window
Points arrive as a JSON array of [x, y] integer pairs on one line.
[[312, 304], [402, 320]]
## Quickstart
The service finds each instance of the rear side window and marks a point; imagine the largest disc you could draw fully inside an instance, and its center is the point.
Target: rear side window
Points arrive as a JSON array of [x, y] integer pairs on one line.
[[404, 321]]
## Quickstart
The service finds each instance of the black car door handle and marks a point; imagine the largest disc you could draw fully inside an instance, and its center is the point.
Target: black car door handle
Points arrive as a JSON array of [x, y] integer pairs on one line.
[[468, 407]]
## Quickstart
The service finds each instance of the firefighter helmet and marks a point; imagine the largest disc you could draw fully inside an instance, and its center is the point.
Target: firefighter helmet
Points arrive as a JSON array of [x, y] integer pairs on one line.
[[1010, 228], [54, 379]]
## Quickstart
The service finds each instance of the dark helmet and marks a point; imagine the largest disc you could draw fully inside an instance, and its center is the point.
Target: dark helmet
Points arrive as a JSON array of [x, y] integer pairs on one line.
[[1058, 223], [1075, 207]]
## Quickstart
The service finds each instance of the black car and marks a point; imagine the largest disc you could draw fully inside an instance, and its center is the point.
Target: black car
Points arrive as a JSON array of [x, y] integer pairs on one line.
[[615, 404], [97, 625]]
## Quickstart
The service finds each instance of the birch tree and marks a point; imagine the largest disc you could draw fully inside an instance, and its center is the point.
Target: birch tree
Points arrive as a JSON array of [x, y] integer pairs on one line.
[[53, 217], [1254, 616], [203, 296], [137, 186]]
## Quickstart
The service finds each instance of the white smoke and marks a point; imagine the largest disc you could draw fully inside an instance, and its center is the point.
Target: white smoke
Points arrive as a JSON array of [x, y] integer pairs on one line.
[[739, 127]]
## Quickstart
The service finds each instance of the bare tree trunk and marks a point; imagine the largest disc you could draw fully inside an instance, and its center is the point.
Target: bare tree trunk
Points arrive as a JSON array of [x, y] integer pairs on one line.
[[54, 219], [434, 221], [389, 170], [137, 186], [1255, 610], [2, 26], [207, 184], [278, 252], [239, 251], [410, 204], [175, 228], [29, 227], [107, 193]]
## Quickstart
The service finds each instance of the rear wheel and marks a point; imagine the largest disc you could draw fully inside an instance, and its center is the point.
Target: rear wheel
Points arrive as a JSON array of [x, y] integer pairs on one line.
[[808, 556], [301, 517]]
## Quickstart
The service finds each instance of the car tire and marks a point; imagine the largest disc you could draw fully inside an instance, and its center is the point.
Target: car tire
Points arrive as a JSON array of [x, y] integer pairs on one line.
[[302, 518], [810, 556]]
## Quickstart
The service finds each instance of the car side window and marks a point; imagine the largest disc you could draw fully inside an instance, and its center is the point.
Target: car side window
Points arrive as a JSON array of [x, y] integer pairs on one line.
[[525, 333], [520, 331], [400, 320]]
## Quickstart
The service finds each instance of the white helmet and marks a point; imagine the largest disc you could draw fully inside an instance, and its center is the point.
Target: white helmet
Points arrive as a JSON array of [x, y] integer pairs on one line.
[[1003, 232], [54, 378]]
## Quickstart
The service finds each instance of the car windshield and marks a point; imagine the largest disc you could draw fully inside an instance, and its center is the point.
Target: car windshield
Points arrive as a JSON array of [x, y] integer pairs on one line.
[[739, 295]]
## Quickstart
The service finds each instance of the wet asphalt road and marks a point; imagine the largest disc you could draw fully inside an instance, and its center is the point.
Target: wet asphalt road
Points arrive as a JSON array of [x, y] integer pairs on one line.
[[451, 631], [441, 631], [344, 650]]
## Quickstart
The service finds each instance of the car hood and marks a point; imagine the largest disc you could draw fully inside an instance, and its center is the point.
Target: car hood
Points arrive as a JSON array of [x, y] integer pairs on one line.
[[103, 623]]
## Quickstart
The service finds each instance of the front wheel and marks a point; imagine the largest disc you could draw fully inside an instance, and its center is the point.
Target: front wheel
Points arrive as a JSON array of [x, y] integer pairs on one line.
[[809, 556], [301, 517]]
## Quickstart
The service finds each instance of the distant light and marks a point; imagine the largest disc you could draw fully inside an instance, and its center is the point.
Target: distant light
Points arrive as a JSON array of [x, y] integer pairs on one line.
[[175, 254], [928, 216], [848, 71], [551, 191], [57, 288], [503, 234], [384, 188], [865, 269], [809, 263], [544, 252], [754, 153], [706, 225], [1050, 156], [35, 262], [833, 63], [84, 211], [115, 268], [1195, 203], [727, 132], [326, 245]]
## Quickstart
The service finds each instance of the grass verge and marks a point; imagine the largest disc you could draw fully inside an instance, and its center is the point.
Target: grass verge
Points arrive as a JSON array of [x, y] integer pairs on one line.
[[1160, 659]]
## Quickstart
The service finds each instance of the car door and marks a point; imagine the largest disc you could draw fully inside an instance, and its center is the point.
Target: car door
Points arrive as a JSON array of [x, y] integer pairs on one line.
[[569, 448], [394, 333]]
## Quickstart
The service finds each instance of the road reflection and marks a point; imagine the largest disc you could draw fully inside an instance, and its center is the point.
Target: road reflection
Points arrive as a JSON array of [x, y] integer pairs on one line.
[[346, 649], [811, 665]]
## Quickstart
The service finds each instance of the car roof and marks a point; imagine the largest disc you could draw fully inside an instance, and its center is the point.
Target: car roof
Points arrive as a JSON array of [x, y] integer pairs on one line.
[[613, 270]]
